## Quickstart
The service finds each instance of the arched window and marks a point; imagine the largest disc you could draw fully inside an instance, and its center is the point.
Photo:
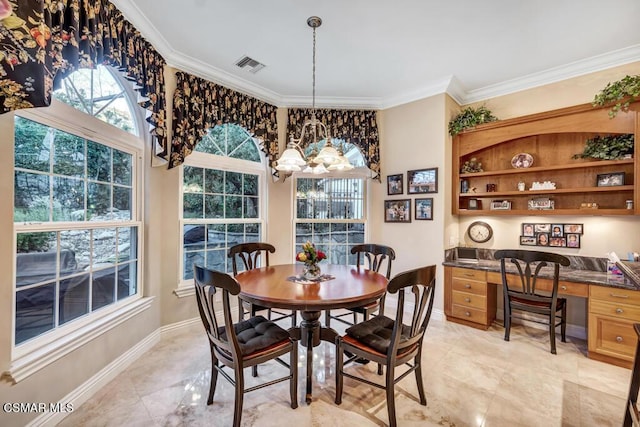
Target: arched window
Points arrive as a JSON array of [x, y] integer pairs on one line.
[[77, 216], [97, 92], [222, 197]]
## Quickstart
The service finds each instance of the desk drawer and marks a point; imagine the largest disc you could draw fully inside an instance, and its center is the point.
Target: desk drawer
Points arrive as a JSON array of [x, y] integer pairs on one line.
[[623, 296], [612, 337], [565, 288], [615, 309], [470, 314], [467, 273], [469, 300], [469, 286]]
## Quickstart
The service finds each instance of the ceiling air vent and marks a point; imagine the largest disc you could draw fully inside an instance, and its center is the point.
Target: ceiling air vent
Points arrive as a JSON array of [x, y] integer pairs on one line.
[[249, 64]]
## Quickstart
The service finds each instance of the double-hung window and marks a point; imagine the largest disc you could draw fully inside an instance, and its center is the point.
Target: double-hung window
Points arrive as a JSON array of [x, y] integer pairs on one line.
[[76, 211], [223, 198]]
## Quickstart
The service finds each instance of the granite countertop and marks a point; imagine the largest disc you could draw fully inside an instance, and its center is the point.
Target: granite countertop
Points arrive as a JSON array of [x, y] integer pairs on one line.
[[576, 272]]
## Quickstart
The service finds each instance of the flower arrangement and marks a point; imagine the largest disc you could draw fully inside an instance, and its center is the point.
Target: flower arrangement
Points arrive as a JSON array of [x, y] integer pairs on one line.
[[311, 257], [309, 254]]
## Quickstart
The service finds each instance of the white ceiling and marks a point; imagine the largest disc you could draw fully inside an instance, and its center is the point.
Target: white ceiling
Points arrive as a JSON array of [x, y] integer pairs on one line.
[[380, 53]]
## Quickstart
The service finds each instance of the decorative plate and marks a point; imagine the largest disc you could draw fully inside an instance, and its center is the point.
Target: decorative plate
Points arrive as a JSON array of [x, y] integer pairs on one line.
[[522, 160]]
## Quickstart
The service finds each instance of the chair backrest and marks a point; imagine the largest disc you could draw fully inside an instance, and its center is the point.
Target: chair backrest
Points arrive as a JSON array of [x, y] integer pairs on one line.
[[221, 333], [418, 286], [250, 254], [631, 415], [375, 256], [528, 276]]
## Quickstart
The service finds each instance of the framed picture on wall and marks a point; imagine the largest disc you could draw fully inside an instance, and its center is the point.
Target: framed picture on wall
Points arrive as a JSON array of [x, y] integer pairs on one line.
[[397, 210], [422, 181], [424, 209], [395, 184]]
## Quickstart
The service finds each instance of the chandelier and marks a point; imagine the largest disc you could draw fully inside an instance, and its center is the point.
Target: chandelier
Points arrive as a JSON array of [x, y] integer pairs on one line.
[[313, 131]]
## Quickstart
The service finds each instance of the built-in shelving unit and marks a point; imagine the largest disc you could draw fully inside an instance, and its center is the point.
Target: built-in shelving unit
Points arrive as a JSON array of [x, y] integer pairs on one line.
[[552, 139]]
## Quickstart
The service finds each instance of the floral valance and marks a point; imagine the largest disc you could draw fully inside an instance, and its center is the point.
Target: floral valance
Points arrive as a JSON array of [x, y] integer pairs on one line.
[[43, 41], [357, 127], [199, 105]]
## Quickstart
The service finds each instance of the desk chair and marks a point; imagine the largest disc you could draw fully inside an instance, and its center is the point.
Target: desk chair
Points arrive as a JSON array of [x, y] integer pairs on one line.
[[520, 291], [243, 344], [631, 415], [253, 255], [375, 256], [391, 342]]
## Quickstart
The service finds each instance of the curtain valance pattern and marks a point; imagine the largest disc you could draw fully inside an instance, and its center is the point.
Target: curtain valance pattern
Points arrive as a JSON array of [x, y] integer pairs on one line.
[[43, 41], [357, 127], [199, 105]]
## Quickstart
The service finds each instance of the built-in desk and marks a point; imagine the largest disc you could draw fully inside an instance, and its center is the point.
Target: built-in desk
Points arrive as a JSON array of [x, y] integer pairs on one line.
[[613, 303]]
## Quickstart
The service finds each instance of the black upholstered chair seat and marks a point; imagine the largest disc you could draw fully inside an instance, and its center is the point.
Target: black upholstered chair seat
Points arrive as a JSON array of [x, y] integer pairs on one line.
[[376, 333], [256, 333]]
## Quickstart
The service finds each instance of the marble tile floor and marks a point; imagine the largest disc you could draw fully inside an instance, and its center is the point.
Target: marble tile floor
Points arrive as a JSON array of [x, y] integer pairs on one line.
[[471, 377]]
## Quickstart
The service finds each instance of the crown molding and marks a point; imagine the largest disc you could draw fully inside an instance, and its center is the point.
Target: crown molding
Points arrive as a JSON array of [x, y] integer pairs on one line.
[[333, 102], [556, 74], [434, 88]]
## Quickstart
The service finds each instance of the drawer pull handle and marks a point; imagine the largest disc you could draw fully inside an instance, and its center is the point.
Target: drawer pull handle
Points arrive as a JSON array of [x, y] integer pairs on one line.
[[466, 313], [469, 274], [619, 310], [563, 287], [467, 286], [618, 295], [619, 339], [467, 300]]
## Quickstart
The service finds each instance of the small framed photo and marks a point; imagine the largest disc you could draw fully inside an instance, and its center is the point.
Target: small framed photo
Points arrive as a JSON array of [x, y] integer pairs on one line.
[[573, 240], [528, 241], [500, 205], [527, 230], [543, 239], [557, 230], [542, 228], [573, 228], [397, 210], [424, 209], [422, 181], [610, 179], [395, 184], [474, 204], [558, 242]]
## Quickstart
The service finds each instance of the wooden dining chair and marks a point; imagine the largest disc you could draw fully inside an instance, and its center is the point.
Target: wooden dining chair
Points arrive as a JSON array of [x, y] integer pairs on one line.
[[392, 342], [250, 256], [520, 292], [631, 414], [375, 256], [243, 344]]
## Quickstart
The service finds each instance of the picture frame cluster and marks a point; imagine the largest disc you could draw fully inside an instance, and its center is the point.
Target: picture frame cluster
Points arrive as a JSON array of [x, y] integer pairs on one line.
[[419, 181], [551, 235]]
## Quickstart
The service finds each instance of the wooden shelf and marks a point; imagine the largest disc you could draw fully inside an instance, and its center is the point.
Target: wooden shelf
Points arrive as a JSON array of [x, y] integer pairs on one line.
[[552, 138]]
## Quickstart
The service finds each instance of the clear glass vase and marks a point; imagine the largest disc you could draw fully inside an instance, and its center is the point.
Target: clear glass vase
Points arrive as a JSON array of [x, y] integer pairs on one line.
[[311, 271]]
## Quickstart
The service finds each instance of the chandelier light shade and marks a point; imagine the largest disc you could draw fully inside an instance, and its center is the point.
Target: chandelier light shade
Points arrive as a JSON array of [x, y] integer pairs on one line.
[[329, 158]]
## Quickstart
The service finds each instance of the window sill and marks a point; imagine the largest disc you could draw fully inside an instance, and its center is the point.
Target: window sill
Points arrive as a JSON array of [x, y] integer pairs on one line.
[[32, 362], [185, 290]]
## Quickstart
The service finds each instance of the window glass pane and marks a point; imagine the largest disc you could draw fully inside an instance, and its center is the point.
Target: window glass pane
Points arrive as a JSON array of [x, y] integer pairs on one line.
[[217, 236], [122, 199], [320, 232], [33, 266], [127, 283], [192, 206], [74, 297], [193, 237], [68, 154], [34, 312], [233, 183], [191, 258], [104, 247], [251, 206], [192, 180], [252, 232], [214, 206], [217, 259], [75, 250], [229, 140], [214, 181], [250, 185], [68, 199], [32, 145], [233, 206], [31, 197], [210, 143], [98, 201], [99, 162], [103, 288], [122, 167]]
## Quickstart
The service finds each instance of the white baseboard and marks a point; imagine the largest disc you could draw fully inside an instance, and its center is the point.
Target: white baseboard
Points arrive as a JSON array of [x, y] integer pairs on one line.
[[575, 331]]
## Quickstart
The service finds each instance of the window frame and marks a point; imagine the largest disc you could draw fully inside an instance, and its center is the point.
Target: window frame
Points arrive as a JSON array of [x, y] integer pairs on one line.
[[34, 354], [228, 164]]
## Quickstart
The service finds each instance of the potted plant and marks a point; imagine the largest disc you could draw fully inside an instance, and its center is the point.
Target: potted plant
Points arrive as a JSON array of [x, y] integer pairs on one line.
[[619, 94], [470, 117], [609, 147]]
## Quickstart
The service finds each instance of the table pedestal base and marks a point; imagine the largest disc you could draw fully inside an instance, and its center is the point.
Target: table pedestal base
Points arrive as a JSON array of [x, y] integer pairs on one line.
[[310, 333]]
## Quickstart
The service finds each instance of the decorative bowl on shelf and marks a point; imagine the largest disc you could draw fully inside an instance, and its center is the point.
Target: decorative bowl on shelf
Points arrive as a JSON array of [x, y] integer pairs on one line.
[[522, 160]]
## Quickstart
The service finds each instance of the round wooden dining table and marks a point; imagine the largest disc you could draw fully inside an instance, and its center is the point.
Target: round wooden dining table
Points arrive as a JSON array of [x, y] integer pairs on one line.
[[276, 287]]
